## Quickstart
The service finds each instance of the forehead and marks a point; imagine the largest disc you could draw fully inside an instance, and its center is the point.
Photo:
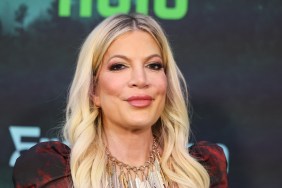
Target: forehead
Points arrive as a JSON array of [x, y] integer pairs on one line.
[[134, 42]]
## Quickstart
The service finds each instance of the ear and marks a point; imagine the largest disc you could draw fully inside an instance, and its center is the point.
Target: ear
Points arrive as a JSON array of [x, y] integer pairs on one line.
[[96, 100], [96, 95]]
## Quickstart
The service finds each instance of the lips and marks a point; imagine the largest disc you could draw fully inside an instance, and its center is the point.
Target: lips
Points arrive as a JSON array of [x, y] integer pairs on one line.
[[140, 101]]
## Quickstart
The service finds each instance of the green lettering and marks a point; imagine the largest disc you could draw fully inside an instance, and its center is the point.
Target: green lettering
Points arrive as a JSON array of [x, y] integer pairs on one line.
[[64, 8], [142, 6], [105, 9], [171, 13], [85, 8]]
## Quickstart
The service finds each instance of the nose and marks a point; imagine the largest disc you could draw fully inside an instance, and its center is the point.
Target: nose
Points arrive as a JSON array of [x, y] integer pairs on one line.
[[139, 77]]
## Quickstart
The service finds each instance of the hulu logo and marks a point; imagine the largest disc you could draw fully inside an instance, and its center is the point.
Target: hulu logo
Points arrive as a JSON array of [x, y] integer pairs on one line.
[[105, 8]]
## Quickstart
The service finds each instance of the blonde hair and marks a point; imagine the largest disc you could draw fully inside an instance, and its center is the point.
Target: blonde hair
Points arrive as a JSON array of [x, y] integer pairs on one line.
[[83, 127]]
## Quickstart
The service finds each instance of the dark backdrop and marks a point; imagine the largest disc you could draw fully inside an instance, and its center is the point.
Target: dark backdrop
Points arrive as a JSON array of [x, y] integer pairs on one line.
[[229, 52]]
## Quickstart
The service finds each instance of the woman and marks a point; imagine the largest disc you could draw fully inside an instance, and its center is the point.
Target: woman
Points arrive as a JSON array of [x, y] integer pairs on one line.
[[127, 122]]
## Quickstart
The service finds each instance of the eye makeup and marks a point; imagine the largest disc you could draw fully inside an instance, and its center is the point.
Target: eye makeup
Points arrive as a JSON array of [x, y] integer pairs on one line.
[[116, 67]]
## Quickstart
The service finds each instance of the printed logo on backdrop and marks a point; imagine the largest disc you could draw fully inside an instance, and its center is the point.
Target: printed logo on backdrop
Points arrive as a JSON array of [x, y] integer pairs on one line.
[[20, 132], [107, 8]]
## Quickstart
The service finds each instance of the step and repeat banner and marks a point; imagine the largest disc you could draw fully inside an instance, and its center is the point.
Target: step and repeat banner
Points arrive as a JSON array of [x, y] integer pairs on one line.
[[229, 52]]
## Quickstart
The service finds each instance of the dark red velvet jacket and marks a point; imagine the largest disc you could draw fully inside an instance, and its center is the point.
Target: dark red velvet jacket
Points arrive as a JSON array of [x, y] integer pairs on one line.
[[47, 165]]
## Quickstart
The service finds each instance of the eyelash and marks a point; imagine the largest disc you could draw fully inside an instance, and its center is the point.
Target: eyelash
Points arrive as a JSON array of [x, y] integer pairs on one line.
[[153, 66], [117, 67]]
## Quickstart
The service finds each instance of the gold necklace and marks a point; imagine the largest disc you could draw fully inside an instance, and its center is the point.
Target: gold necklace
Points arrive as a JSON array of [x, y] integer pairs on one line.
[[149, 175]]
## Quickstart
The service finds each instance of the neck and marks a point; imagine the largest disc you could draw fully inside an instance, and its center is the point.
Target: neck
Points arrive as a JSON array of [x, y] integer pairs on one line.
[[130, 147]]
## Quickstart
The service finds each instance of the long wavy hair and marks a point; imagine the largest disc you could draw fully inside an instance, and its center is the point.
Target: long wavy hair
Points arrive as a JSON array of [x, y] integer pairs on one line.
[[84, 129]]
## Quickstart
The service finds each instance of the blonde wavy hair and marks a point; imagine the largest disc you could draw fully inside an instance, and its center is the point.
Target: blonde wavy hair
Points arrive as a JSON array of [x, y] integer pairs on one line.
[[84, 130]]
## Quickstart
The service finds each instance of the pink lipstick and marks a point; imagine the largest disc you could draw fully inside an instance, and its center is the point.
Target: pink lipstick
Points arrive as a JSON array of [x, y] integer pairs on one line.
[[140, 101]]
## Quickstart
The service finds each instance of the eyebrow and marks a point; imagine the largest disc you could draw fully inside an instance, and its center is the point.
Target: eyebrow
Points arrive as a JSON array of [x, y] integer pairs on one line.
[[127, 59]]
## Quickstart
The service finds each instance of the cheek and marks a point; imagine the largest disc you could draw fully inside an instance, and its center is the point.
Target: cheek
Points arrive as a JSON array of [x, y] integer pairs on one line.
[[110, 86], [161, 88], [161, 84]]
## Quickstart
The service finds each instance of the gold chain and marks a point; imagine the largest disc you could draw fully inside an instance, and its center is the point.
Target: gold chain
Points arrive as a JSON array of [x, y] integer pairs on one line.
[[121, 175], [142, 168]]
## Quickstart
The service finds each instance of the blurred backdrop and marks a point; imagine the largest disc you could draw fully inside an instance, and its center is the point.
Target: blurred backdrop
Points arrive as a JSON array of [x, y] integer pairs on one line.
[[229, 51]]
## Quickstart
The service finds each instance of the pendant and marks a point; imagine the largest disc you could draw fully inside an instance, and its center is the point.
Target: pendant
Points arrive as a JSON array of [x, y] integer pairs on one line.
[[131, 184], [145, 184], [114, 177], [156, 182], [123, 180], [137, 182]]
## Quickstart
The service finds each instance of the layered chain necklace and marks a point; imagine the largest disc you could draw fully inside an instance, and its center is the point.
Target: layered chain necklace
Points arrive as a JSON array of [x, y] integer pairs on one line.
[[149, 175]]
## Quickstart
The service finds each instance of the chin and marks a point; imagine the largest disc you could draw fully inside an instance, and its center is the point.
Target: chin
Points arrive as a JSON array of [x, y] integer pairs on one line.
[[141, 124]]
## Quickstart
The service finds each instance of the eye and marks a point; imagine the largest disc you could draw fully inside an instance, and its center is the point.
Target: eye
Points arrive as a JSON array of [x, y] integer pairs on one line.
[[117, 67], [155, 66]]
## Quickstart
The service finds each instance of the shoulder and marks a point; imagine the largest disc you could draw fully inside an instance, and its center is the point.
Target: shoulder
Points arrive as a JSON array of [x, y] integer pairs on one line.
[[45, 164], [212, 157]]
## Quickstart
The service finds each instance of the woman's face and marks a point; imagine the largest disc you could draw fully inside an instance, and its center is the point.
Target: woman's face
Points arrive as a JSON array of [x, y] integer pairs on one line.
[[131, 87]]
